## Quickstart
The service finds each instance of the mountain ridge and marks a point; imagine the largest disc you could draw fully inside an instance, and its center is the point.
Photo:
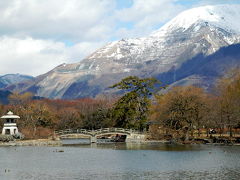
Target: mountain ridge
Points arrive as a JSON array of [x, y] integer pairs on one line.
[[166, 49], [9, 79]]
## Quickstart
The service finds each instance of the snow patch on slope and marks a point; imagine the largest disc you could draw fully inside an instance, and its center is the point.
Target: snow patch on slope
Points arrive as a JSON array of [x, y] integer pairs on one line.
[[222, 16]]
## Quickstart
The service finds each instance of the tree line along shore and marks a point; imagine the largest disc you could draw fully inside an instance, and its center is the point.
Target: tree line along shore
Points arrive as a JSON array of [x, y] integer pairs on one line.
[[181, 114]]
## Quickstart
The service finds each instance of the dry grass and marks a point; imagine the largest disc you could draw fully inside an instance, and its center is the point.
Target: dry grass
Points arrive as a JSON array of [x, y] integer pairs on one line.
[[41, 133]]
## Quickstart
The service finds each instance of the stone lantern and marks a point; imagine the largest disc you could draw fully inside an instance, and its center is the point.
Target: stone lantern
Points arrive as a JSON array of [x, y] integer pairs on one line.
[[10, 125]]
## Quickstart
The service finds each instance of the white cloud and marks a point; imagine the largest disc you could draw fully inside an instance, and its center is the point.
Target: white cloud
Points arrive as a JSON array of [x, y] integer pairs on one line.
[[33, 32], [34, 56], [147, 15], [56, 19]]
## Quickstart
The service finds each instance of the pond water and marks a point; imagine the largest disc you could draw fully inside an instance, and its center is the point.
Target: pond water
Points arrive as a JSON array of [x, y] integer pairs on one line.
[[123, 161]]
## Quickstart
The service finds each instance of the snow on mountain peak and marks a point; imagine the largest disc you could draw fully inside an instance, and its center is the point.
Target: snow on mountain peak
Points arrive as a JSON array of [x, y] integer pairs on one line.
[[212, 26], [222, 16], [174, 52]]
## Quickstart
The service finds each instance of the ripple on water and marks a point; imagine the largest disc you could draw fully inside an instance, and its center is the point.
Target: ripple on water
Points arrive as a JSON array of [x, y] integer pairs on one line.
[[120, 161]]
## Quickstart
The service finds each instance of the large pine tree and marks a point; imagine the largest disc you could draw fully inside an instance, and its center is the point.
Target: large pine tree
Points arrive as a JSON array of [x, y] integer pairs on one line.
[[131, 110]]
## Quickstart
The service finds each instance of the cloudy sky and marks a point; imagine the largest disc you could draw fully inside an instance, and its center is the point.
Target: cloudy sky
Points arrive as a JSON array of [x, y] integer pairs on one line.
[[38, 35]]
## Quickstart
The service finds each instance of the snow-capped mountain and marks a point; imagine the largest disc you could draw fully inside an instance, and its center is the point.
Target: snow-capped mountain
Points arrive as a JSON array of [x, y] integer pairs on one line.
[[176, 51]]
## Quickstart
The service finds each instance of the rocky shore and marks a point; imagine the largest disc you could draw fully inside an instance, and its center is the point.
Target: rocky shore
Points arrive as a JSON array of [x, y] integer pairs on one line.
[[37, 142], [51, 142]]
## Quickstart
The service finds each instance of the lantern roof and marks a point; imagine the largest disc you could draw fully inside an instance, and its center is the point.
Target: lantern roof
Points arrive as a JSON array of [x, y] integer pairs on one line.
[[10, 115]]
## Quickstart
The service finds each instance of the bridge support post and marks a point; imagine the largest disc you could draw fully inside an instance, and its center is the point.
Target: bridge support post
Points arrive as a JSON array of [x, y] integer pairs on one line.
[[93, 139], [136, 137]]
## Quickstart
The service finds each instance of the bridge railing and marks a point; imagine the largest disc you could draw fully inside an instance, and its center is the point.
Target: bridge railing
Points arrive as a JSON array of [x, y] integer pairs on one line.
[[98, 131]]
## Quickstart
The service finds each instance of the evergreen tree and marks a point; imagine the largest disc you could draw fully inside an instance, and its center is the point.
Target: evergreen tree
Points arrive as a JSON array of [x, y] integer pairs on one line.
[[131, 110]]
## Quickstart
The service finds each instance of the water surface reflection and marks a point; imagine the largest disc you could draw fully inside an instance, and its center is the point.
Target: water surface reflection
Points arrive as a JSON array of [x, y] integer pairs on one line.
[[120, 161]]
